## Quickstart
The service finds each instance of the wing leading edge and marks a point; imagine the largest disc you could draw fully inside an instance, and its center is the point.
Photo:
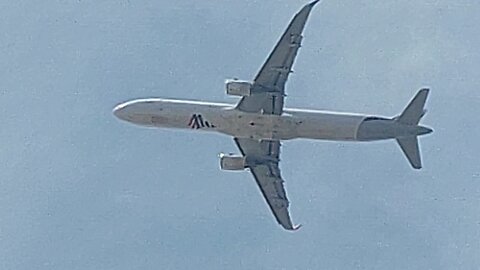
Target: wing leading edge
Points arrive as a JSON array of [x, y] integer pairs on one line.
[[269, 84], [263, 159]]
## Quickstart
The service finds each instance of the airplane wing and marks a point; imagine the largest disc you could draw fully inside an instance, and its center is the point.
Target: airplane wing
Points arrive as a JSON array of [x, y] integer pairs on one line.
[[264, 155], [269, 84]]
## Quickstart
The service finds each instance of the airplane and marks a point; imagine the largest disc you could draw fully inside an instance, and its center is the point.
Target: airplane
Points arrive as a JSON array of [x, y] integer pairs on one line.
[[259, 121]]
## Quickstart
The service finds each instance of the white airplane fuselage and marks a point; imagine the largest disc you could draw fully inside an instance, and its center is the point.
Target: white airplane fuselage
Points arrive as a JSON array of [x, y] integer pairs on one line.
[[293, 123], [259, 121]]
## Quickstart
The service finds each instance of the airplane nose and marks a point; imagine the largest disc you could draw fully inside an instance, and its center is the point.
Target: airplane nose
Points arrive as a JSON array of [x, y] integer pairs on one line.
[[120, 111]]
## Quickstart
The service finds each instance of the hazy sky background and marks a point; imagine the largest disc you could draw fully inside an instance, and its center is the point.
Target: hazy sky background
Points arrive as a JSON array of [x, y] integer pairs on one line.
[[81, 190]]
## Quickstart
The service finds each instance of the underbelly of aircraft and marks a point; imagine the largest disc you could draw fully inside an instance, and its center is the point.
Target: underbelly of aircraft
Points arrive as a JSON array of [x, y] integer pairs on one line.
[[328, 126]]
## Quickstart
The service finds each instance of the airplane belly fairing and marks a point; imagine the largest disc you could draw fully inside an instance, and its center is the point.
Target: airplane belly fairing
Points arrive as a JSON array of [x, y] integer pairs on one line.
[[258, 126]]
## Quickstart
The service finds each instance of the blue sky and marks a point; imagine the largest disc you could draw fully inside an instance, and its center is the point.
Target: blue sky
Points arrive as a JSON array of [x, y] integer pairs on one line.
[[82, 190]]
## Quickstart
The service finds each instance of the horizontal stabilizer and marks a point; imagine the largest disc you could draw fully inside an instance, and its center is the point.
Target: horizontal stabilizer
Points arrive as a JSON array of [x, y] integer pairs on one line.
[[409, 146], [414, 110]]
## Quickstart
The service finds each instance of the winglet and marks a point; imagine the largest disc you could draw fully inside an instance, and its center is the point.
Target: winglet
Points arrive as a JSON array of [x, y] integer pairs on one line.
[[297, 227], [313, 3], [293, 227]]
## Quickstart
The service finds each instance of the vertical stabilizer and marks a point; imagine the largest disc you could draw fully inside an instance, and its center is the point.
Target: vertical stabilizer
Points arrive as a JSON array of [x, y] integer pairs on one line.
[[414, 110], [409, 146]]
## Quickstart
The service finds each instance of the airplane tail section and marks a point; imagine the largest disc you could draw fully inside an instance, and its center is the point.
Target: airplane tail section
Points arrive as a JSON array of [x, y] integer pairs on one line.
[[410, 116], [409, 146], [415, 109]]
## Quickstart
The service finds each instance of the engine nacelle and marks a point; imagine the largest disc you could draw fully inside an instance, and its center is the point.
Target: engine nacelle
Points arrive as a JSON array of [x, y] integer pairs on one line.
[[239, 88], [232, 162]]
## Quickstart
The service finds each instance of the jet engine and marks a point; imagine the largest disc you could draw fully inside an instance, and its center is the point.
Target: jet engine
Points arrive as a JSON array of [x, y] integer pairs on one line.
[[232, 162], [239, 88]]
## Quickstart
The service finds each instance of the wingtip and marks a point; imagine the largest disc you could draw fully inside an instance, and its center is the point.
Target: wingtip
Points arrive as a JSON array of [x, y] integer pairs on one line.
[[313, 3], [294, 228], [417, 166], [297, 227], [425, 89]]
